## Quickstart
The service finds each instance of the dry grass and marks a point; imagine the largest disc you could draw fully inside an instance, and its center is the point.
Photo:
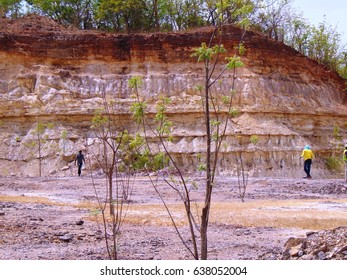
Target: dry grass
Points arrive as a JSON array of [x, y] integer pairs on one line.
[[303, 214], [29, 199], [280, 214]]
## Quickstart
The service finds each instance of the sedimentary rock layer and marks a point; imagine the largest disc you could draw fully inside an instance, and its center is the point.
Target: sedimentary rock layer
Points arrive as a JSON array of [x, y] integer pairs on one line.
[[54, 75]]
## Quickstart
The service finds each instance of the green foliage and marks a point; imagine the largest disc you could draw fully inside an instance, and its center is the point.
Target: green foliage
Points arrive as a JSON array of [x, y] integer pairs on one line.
[[31, 144], [181, 14], [205, 53], [99, 120], [138, 107], [342, 66], [271, 18], [233, 92], [163, 123], [234, 11], [130, 149], [135, 142], [277, 19], [77, 13], [336, 133], [334, 164], [11, 8], [138, 111], [323, 45], [40, 129], [215, 122], [234, 62], [49, 125], [198, 88], [226, 100], [150, 162], [141, 160], [298, 35], [160, 160], [131, 15], [201, 167], [135, 82], [241, 49], [137, 15], [63, 134], [38, 132], [233, 112], [254, 139]]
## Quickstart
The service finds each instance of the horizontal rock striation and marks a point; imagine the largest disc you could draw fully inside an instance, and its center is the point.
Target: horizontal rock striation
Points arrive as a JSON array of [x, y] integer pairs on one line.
[[59, 76]]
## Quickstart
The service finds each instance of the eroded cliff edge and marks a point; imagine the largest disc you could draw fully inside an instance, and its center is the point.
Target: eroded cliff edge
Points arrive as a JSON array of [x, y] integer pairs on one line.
[[52, 74]]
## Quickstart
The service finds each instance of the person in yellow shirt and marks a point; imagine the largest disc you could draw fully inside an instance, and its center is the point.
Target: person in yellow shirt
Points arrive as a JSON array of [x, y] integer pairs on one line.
[[345, 161], [308, 156]]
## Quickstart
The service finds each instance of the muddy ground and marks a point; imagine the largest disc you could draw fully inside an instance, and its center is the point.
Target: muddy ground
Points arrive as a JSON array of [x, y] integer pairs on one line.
[[57, 218]]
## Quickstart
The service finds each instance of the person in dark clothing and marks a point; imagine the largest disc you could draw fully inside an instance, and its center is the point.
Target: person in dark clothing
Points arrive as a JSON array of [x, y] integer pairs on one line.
[[80, 160]]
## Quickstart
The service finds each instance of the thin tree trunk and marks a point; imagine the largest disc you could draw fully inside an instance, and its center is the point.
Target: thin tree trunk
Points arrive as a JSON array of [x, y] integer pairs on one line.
[[110, 189], [206, 209], [40, 160]]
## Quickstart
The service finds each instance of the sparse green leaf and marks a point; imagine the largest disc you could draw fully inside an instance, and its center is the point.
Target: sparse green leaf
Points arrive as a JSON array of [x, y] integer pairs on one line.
[[135, 82], [138, 110], [234, 112], [234, 62]]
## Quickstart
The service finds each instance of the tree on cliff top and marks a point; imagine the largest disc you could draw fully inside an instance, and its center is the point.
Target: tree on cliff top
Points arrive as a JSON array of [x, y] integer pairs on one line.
[[10, 8], [76, 13], [275, 18]]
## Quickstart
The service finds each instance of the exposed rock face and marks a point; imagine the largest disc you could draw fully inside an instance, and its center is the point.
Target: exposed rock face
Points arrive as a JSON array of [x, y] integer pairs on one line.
[[59, 76]]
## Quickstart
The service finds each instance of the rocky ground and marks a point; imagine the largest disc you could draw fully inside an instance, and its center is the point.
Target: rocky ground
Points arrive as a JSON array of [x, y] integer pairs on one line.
[[57, 218]]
